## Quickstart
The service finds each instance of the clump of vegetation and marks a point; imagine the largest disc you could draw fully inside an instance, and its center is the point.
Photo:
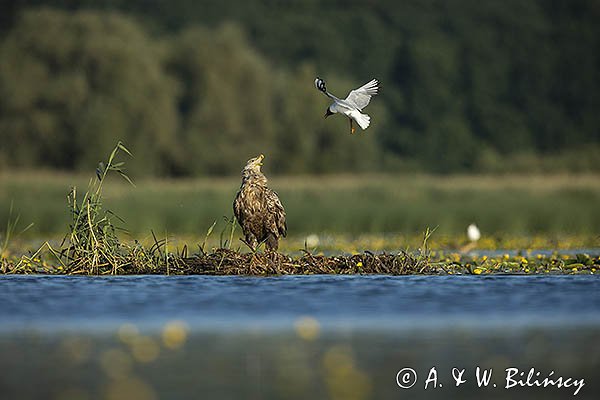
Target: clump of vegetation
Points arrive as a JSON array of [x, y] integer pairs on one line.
[[225, 261], [93, 242], [92, 245]]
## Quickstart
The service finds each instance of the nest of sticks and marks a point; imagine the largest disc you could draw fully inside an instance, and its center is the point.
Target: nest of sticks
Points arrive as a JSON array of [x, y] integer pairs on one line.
[[229, 262]]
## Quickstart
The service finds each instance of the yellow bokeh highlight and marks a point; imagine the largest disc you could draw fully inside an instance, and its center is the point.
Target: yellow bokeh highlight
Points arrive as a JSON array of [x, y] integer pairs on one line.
[[307, 328], [127, 333], [175, 334], [144, 349]]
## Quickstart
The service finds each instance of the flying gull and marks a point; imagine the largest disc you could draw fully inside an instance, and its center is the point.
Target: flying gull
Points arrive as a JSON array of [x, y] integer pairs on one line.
[[352, 105]]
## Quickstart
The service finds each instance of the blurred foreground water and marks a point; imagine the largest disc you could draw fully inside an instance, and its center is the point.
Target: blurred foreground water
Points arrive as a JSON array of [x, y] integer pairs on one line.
[[338, 337]]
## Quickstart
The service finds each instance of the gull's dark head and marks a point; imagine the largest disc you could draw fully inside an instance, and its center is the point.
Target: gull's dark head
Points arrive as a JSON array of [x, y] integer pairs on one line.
[[328, 113]]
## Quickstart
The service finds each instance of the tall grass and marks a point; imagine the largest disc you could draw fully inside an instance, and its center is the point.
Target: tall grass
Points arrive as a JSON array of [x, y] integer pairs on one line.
[[12, 224], [370, 204], [11, 231], [92, 241], [92, 245]]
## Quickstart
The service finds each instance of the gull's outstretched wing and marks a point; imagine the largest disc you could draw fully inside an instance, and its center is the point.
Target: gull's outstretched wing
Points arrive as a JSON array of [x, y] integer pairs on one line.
[[320, 85], [361, 97]]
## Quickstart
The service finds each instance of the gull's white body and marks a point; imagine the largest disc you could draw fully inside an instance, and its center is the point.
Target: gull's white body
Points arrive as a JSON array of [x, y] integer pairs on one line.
[[354, 103], [338, 107]]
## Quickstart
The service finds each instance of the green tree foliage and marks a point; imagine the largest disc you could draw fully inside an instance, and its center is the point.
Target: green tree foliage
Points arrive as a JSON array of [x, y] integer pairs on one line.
[[70, 84], [225, 102], [199, 86], [200, 102], [235, 105]]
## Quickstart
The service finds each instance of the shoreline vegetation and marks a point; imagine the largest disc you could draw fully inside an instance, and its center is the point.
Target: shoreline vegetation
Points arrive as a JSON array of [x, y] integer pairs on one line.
[[230, 262], [94, 244]]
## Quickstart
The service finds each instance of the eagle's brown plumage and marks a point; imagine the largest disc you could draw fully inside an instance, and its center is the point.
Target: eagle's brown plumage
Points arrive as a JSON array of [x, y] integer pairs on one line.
[[258, 209]]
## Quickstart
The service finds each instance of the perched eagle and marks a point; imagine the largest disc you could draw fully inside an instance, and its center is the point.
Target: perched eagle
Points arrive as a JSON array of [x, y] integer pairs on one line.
[[258, 209]]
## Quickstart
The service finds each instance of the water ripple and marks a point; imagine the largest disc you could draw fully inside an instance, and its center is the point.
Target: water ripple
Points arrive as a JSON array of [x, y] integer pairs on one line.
[[357, 302]]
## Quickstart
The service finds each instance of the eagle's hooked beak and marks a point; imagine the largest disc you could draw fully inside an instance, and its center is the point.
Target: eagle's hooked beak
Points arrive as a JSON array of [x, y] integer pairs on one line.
[[327, 113]]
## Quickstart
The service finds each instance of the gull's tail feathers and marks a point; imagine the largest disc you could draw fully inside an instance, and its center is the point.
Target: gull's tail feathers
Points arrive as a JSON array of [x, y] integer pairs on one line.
[[363, 120]]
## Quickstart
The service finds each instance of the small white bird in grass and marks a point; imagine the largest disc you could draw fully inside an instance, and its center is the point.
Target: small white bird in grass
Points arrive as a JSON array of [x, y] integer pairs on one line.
[[352, 105], [473, 233]]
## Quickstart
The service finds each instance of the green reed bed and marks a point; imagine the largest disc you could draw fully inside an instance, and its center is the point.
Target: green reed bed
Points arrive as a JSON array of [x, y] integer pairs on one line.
[[504, 207]]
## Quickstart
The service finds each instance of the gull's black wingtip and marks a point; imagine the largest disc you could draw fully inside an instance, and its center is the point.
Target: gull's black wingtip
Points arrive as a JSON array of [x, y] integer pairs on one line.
[[320, 85]]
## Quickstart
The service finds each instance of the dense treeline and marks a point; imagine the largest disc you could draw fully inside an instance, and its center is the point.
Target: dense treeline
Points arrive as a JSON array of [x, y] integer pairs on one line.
[[197, 87]]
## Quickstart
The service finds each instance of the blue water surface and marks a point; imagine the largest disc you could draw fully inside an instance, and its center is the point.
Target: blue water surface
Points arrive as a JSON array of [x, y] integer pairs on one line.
[[49, 303]]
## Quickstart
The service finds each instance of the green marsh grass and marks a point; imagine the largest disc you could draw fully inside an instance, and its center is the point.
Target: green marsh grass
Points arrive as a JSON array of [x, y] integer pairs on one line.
[[502, 206], [92, 245], [12, 226], [92, 241]]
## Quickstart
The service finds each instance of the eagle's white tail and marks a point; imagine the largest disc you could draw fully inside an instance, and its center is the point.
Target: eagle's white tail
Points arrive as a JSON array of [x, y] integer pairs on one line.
[[363, 120]]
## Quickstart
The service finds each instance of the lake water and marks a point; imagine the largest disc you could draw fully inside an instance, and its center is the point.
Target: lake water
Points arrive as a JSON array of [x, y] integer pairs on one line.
[[294, 336], [337, 302]]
